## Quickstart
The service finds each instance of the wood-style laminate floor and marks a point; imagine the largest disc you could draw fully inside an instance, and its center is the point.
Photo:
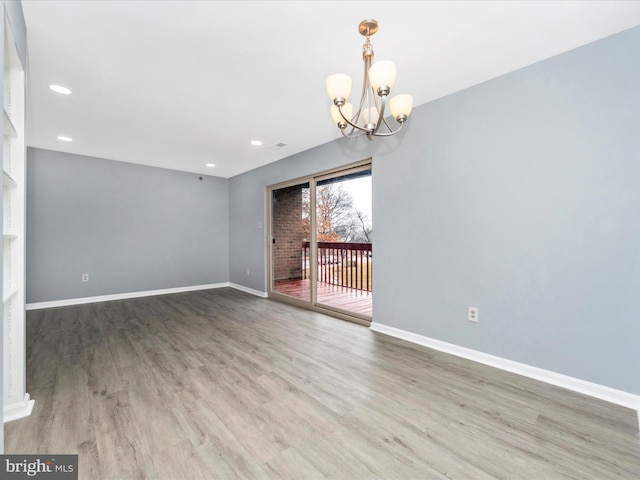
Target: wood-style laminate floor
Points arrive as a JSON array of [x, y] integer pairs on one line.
[[220, 384]]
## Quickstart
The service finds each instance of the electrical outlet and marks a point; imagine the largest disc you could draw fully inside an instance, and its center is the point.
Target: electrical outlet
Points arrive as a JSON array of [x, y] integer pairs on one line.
[[85, 277], [248, 272], [473, 314]]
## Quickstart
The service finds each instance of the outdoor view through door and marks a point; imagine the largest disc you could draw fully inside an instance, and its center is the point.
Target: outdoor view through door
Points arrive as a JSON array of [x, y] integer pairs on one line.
[[288, 270], [322, 242]]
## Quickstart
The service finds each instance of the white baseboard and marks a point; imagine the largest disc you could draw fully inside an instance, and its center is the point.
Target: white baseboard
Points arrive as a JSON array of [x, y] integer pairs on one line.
[[122, 296], [602, 392], [18, 410], [257, 293], [148, 293]]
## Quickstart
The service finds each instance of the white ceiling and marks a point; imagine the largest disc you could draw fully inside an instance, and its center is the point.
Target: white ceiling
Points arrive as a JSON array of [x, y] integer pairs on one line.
[[178, 84]]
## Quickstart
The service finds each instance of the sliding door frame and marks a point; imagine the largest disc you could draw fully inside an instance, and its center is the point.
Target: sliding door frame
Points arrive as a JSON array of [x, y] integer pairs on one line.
[[313, 250]]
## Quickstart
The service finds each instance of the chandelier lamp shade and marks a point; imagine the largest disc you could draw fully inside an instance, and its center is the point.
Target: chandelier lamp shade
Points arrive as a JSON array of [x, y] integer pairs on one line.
[[379, 78]]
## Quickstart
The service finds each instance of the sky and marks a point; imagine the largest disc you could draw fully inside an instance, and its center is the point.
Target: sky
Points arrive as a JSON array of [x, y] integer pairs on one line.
[[360, 188]]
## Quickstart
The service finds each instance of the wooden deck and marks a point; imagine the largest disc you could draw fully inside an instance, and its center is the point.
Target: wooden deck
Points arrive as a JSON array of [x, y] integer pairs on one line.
[[345, 298]]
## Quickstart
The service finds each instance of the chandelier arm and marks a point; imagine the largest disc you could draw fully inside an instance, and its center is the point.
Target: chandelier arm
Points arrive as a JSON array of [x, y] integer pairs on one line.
[[353, 132], [387, 125], [381, 118], [364, 94], [353, 125], [375, 96], [390, 133], [352, 135], [379, 103], [381, 115]]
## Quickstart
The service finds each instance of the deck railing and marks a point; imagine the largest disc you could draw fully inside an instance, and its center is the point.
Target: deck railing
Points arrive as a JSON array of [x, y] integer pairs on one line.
[[346, 264]]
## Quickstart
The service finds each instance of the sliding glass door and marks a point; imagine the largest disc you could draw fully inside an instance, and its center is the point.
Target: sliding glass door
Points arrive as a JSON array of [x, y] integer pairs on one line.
[[343, 241], [321, 250]]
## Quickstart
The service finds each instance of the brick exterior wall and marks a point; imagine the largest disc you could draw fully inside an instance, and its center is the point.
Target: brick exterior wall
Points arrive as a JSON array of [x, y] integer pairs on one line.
[[287, 232]]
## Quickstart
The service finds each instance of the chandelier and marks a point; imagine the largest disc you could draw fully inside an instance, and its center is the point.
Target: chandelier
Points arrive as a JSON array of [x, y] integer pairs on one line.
[[379, 78]]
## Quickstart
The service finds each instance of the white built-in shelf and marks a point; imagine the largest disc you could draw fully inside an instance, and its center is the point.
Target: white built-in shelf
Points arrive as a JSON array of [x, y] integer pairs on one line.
[[9, 129], [7, 181], [12, 95]]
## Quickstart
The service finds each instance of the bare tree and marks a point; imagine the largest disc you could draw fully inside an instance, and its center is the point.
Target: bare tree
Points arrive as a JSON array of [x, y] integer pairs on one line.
[[337, 218], [365, 225]]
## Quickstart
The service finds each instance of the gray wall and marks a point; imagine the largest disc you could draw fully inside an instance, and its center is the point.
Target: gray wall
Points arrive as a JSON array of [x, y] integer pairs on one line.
[[130, 227], [18, 27], [518, 196]]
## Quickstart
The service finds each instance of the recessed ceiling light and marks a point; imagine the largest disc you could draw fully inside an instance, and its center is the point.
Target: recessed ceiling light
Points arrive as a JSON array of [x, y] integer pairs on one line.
[[211, 165], [65, 139], [60, 89], [257, 143]]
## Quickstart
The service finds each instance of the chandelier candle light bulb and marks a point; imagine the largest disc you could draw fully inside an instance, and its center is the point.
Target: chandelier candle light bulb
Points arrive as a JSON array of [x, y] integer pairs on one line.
[[347, 111], [339, 86], [383, 76], [379, 79], [401, 106], [370, 117]]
